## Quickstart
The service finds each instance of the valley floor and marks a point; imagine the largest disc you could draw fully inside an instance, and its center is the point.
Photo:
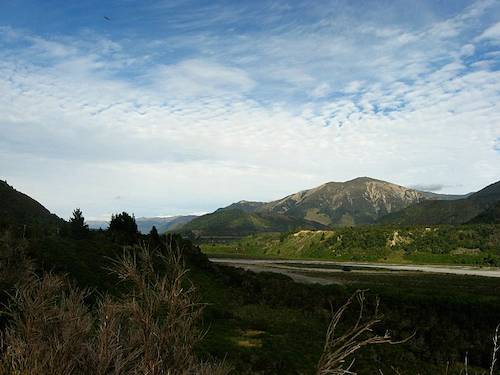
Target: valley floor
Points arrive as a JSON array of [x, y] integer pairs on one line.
[[317, 269]]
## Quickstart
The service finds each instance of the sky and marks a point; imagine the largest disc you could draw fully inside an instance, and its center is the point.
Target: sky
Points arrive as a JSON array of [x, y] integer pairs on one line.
[[174, 107]]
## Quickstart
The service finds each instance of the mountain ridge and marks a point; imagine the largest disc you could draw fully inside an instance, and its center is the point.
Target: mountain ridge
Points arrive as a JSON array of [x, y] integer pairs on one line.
[[362, 200], [446, 212]]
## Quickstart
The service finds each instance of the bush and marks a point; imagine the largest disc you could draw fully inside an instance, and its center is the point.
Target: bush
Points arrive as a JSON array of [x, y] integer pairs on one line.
[[150, 329]]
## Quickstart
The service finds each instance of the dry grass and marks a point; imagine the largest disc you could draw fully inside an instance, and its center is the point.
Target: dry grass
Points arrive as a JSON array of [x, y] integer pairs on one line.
[[339, 348], [14, 265], [151, 329]]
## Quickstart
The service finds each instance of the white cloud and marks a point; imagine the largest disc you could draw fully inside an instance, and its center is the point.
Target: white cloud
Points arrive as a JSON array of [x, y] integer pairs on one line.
[[260, 118], [467, 50], [197, 77], [321, 90], [492, 33]]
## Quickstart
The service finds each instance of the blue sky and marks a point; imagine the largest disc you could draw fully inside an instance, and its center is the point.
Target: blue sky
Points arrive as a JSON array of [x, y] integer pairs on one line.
[[180, 107]]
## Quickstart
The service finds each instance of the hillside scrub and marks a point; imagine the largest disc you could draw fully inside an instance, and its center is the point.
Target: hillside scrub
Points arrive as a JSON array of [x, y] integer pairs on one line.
[[464, 244], [152, 328], [293, 318]]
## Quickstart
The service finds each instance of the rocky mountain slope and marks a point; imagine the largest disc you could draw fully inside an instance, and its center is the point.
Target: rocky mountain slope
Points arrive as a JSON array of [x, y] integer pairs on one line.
[[359, 201]]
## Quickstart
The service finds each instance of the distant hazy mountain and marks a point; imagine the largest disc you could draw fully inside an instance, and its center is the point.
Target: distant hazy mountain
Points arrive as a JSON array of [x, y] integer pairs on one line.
[[144, 224], [447, 212], [18, 208], [360, 201]]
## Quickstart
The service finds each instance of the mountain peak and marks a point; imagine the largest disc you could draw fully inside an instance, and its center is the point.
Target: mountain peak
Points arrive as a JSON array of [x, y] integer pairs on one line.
[[364, 179]]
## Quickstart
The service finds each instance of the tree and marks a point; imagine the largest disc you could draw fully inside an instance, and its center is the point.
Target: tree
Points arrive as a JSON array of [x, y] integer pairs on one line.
[[154, 236], [78, 228], [123, 223]]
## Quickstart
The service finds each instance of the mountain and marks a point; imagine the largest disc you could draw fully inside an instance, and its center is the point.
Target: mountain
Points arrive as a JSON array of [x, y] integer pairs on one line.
[[144, 224], [17, 208], [360, 201], [446, 212], [246, 206], [236, 222]]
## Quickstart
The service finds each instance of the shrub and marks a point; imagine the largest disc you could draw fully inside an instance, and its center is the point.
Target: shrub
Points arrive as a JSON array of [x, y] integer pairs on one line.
[[152, 328]]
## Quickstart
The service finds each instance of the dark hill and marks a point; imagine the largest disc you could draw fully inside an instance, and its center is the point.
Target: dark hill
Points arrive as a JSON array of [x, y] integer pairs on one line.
[[446, 212], [18, 209], [489, 216]]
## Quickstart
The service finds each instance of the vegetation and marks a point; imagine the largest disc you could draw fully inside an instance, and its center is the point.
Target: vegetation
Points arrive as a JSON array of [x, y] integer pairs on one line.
[[490, 216], [77, 226], [237, 223], [465, 244], [259, 323], [149, 328]]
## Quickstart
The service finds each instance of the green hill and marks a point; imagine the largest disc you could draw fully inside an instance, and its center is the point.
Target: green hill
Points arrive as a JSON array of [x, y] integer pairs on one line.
[[237, 222], [490, 216], [18, 209], [446, 212], [477, 244]]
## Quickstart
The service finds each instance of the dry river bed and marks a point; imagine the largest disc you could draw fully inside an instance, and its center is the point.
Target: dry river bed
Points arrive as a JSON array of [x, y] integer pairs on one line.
[[318, 271]]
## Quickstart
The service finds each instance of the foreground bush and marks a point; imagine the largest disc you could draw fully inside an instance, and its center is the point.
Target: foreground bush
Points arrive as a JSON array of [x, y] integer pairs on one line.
[[150, 329]]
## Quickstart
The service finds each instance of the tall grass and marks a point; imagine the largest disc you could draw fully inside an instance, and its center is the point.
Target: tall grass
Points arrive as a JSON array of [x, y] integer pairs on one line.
[[152, 328]]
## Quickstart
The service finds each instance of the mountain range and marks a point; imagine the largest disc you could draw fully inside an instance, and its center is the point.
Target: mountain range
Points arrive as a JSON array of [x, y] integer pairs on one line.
[[360, 201]]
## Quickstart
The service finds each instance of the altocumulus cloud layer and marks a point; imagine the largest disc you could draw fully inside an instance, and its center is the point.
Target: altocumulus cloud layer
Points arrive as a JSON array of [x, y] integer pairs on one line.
[[185, 108]]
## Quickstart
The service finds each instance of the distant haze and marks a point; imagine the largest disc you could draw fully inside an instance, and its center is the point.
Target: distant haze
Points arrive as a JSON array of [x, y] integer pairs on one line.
[[145, 224]]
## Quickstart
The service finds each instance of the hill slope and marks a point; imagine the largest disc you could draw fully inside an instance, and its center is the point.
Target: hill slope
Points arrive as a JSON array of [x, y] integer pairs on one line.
[[237, 222], [489, 216], [17, 208], [446, 212]]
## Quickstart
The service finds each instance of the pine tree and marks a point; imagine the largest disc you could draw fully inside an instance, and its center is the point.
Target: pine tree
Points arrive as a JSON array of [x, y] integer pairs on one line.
[[77, 224]]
